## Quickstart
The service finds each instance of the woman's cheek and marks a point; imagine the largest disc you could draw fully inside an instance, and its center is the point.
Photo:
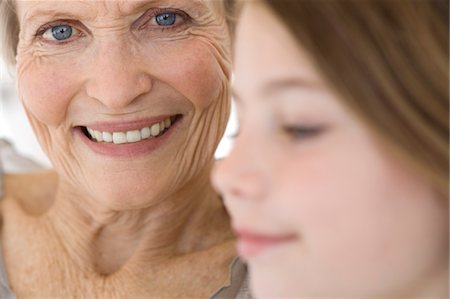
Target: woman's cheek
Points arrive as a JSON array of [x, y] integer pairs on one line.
[[194, 70], [46, 91]]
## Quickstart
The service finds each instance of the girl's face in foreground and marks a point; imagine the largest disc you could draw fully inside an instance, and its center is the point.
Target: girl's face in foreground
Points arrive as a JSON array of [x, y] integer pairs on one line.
[[319, 206]]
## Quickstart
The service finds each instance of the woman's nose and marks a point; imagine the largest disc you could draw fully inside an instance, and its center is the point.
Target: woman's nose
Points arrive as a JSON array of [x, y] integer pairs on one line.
[[241, 175], [117, 76]]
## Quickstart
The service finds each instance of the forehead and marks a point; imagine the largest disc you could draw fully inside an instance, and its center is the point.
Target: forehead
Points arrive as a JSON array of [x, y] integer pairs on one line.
[[273, 53], [98, 8]]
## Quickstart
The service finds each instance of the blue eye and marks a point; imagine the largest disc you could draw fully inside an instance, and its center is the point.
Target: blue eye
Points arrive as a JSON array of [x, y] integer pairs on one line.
[[166, 19], [59, 33]]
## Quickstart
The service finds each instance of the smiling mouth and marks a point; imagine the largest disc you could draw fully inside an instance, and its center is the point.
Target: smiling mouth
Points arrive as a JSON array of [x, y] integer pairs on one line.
[[251, 244], [152, 131]]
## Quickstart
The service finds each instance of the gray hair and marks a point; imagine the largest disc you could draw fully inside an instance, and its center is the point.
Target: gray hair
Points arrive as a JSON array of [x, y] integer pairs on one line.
[[9, 31]]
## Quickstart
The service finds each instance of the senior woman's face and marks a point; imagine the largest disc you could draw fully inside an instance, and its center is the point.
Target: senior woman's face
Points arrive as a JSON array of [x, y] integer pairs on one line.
[[147, 79]]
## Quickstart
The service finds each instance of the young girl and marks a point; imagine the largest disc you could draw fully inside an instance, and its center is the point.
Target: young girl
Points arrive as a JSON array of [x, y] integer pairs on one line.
[[338, 181]]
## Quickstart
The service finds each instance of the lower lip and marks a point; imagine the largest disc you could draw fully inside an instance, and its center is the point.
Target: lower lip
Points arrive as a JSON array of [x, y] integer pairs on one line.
[[251, 247], [127, 150]]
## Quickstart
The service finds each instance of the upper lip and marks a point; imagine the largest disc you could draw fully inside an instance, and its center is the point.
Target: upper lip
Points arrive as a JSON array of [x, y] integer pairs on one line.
[[129, 125]]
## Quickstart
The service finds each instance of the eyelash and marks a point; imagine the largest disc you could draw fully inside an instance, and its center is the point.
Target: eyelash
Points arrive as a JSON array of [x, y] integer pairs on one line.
[[300, 132], [41, 31], [151, 14], [303, 132], [155, 12]]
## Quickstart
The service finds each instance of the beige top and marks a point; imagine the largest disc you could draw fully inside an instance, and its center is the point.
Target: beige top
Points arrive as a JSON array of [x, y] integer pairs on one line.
[[5, 291], [235, 288]]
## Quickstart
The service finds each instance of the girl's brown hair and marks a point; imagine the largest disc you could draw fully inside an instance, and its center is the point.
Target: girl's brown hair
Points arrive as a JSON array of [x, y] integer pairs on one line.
[[388, 61]]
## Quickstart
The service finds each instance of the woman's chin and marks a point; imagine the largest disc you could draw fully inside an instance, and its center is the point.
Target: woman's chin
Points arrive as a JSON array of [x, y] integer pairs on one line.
[[119, 197], [122, 190]]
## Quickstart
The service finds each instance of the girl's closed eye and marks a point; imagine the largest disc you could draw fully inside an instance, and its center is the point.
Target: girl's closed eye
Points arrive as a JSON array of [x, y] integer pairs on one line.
[[298, 132]]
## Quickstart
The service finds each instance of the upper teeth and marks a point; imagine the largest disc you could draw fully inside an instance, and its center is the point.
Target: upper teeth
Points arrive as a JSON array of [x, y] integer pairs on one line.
[[130, 136]]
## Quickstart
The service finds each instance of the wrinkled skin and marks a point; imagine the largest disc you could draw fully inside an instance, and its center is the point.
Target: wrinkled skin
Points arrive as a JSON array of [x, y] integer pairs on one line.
[[118, 223], [116, 71], [359, 222]]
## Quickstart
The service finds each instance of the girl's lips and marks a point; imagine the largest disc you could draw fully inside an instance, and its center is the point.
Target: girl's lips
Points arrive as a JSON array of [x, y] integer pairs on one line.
[[252, 244]]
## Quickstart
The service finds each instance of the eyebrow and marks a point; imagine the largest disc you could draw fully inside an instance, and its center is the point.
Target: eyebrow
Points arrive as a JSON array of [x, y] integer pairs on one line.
[[274, 86], [61, 12], [281, 84], [40, 12], [144, 3]]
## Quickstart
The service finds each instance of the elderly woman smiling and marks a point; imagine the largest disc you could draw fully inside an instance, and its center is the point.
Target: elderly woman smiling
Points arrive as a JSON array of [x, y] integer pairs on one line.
[[129, 100]]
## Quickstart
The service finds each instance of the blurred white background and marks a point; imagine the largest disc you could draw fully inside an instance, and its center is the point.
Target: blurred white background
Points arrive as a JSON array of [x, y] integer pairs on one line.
[[15, 128]]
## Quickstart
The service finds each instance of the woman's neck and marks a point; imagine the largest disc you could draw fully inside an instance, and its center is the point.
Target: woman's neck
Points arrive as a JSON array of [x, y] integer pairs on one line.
[[107, 241]]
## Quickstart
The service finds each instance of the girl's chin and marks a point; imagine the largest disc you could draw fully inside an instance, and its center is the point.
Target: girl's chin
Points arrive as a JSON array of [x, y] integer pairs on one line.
[[271, 285], [265, 287], [270, 290]]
